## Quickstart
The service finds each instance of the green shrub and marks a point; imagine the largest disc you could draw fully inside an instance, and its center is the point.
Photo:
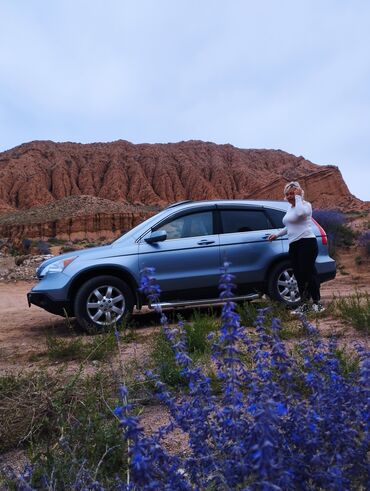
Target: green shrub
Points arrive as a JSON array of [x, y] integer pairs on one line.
[[334, 223], [87, 435], [164, 361], [66, 422], [98, 347], [24, 408], [247, 312], [345, 237], [197, 344], [43, 247], [348, 362], [291, 326], [197, 331], [355, 310]]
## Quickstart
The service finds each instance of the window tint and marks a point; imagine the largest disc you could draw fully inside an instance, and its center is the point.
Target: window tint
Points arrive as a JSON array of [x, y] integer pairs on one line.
[[191, 225], [244, 221], [276, 217]]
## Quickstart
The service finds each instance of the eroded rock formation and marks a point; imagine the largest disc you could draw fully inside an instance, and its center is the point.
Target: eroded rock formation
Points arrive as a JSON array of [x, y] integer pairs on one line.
[[82, 190]]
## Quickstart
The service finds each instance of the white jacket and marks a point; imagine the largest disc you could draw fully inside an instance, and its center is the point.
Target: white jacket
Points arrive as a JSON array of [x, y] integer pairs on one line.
[[297, 221]]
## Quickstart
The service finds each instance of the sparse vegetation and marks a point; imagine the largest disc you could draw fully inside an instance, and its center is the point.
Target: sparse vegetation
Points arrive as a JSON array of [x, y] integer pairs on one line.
[[197, 331], [364, 242], [67, 424], [92, 244], [358, 260], [98, 347], [43, 247], [165, 363], [234, 390], [197, 345], [355, 309], [26, 245], [338, 232], [68, 248], [342, 269], [55, 241]]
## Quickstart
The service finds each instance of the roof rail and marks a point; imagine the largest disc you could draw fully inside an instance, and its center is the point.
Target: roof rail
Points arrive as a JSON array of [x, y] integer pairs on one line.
[[172, 205]]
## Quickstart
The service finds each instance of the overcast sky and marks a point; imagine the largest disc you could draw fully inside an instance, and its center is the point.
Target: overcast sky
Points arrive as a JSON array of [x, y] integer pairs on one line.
[[279, 74]]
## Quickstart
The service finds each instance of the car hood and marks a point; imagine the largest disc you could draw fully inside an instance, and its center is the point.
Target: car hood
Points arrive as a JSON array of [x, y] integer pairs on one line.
[[101, 251]]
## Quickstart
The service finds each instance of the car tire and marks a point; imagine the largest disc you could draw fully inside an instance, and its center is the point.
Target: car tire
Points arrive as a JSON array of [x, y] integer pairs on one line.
[[102, 302], [282, 285]]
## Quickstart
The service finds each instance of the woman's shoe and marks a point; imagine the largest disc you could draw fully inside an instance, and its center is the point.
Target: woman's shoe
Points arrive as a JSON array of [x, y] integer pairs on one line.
[[317, 308], [302, 309]]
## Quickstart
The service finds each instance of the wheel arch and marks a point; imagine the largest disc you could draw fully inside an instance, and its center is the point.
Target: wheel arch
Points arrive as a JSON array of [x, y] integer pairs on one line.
[[103, 270]]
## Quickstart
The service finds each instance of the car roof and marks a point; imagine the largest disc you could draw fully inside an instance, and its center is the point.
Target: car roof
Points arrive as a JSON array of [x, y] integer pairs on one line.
[[181, 206], [281, 205]]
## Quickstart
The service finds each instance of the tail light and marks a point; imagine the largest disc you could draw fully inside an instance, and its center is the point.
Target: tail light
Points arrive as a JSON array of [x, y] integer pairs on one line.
[[324, 238]]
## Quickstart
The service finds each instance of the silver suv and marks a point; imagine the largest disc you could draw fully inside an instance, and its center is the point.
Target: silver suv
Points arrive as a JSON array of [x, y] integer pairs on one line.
[[187, 244]]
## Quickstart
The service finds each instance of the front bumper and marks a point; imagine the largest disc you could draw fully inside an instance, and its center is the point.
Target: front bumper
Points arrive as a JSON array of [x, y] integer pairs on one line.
[[43, 300]]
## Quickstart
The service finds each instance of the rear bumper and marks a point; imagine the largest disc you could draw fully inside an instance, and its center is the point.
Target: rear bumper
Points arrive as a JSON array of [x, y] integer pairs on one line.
[[327, 276], [45, 302]]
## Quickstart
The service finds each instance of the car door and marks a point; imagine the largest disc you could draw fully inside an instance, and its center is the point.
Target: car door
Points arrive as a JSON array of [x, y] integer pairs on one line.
[[244, 244], [187, 261]]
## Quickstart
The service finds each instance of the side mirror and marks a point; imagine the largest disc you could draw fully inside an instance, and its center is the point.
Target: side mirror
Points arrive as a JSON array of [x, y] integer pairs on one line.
[[157, 236]]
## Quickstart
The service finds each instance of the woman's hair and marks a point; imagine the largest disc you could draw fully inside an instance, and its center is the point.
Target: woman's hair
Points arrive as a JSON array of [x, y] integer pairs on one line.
[[294, 185]]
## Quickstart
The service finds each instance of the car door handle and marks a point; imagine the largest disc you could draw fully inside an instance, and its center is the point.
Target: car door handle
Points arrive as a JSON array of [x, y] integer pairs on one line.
[[206, 242]]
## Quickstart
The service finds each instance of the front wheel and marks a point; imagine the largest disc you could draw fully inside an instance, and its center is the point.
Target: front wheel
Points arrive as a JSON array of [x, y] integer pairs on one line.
[[102, 302], [282, 285]]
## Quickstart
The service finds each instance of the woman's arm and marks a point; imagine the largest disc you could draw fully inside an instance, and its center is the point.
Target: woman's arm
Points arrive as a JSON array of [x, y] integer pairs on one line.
[[281, 232], [302, 208]]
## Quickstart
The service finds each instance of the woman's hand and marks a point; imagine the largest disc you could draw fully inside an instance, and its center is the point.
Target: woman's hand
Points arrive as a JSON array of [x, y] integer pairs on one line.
[[272, 237], [298, 191]]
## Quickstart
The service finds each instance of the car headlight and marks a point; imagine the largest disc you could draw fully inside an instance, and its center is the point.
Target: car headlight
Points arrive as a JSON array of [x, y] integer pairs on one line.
[[55, 267]]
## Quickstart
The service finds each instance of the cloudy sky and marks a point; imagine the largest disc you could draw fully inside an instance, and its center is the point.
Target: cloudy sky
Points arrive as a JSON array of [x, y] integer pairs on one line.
[[280, 74]]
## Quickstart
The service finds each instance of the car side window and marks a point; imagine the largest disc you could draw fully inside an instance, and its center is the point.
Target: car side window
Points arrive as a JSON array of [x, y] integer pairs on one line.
[[191, 225], [276, 217], [234, 221]]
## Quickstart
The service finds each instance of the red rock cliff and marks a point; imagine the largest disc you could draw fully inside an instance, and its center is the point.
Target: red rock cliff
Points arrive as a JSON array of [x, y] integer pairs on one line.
[[43, 173]]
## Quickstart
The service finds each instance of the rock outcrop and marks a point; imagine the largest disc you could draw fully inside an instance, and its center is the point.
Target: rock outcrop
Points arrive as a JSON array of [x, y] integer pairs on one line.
[[79, 190]]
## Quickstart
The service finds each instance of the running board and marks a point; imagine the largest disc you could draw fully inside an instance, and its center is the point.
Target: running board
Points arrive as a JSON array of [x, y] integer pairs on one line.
[[208, 301]]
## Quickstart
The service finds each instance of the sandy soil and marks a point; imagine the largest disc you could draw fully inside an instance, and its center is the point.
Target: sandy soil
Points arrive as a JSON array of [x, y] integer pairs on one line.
[[23, 330], [21, 327]]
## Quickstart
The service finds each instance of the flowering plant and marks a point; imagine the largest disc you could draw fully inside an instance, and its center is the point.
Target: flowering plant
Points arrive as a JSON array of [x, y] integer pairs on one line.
[[283, 421], [288, 422]]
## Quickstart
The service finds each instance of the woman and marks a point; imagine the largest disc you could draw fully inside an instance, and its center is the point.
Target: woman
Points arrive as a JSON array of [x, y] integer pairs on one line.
[[302, 247]]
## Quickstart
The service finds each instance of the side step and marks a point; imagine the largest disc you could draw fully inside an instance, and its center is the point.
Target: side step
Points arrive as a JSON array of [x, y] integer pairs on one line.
[[207, 301]]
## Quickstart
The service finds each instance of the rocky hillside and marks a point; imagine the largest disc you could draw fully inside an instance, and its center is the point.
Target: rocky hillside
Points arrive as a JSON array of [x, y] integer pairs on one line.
[[67, 189]]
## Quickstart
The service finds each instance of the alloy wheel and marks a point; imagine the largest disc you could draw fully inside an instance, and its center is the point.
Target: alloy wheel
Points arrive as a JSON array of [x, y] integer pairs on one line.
[[105, 305]]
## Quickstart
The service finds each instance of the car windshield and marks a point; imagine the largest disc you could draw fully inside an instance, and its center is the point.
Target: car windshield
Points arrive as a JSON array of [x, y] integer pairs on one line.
[[141, 227]]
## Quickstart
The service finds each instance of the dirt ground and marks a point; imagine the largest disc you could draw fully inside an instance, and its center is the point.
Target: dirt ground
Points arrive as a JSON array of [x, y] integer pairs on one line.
[[23, 330]]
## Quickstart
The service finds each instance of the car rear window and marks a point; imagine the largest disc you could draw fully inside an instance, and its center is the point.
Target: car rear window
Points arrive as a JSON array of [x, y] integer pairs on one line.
[[243, 221]]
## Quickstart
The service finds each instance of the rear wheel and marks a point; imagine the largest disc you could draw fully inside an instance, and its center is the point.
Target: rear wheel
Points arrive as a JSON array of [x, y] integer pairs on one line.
[[282, 285], [102, 302]]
